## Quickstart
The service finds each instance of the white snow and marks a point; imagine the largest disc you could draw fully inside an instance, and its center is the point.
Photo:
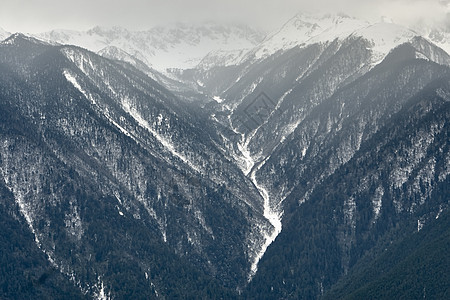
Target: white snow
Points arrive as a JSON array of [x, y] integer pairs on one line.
[[72, 79], [439, 212], [304, 151], [100, 294], [218, 99], [384, 37], [247, 161], [271, 215], [289, 129], [222, 58], [304, 30], [377, 202], [178, 46], [419, 225], [128, 107]]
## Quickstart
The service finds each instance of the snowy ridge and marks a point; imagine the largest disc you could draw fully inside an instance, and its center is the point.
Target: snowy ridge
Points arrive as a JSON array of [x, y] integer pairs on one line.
[[303, 30], [179, 46], [308, 29], [221, 58], [19, 37], [113, 52], [440, 36]]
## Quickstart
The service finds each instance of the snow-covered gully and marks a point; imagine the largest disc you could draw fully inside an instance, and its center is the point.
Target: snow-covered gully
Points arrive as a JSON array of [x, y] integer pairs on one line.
[[250, 168], [274, 219]]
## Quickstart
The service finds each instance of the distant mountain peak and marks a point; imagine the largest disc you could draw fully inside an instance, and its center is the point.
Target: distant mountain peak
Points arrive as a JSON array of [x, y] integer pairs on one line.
[[20, 39], [306, 28]]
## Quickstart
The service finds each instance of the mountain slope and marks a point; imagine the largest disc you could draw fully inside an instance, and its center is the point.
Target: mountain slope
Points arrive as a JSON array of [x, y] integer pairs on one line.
[[395, 178], [414, 267], [110, 147]]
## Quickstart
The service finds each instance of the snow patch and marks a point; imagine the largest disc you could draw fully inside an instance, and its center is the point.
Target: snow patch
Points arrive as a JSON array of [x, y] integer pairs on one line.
[[218, 99], [100, 294], [419, 225], [377, 202]]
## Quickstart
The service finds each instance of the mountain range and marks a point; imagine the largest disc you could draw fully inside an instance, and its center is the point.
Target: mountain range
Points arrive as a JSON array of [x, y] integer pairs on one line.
[[216, 162]]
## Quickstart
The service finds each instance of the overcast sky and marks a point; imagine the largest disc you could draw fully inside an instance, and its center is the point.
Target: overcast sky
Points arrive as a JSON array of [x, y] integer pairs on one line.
[[42, 15]]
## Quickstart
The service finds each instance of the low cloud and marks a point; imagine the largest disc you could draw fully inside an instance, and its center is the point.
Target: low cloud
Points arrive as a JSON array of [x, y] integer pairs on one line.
[[35, 16]]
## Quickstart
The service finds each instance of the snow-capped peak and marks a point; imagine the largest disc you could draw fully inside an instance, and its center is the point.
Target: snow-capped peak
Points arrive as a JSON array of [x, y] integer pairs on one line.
[[19, 38], [385, 36], [305, 29]]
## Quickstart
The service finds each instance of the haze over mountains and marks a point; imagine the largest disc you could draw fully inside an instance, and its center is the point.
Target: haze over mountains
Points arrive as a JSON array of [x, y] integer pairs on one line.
[[215, 161], [182, 46]]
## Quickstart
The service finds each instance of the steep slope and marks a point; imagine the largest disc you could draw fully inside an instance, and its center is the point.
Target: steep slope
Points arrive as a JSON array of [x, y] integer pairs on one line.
[[415, 267], [110, 149], [25, 272], [282, 85], [382, 169]]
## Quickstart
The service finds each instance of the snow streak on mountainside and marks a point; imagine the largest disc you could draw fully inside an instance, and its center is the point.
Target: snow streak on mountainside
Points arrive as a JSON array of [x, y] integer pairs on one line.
[[179, 46]]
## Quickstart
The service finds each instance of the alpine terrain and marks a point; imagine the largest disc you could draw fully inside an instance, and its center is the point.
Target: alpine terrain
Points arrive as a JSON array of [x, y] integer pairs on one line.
[[216, 161]]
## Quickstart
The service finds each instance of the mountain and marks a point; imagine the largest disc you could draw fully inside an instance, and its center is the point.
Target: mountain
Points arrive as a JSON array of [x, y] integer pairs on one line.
[[184, 90], [314, 164], [178, 46], [102, 144], [304, 112], [438, 34], [321, 35]]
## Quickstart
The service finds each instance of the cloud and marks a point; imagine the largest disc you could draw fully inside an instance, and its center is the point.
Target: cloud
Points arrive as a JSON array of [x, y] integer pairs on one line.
[[40, 15]]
